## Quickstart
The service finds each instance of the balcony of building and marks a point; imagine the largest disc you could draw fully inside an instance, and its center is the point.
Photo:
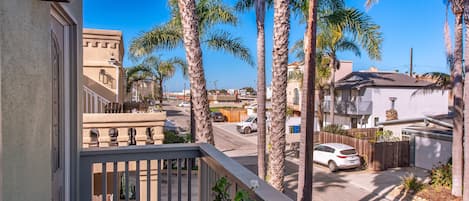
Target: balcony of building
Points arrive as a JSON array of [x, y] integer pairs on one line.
[[346, 107], [123, 158]]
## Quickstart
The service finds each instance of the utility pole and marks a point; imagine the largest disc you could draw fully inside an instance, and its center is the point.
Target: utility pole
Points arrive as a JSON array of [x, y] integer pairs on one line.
[[215, 84], [411, 61]]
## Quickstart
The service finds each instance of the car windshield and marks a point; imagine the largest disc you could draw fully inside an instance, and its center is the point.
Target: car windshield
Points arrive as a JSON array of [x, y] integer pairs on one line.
[[249, 119], [348, 152]]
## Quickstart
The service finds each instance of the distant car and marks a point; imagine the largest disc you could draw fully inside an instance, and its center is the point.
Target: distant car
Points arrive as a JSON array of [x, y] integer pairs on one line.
[[184, 104], [336, 156], [248, 125], [217, 117]]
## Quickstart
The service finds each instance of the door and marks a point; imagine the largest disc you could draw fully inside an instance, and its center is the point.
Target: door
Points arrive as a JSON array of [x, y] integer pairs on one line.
[[58, 134]]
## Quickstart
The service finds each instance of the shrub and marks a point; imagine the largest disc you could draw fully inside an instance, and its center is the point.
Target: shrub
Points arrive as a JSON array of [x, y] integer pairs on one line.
[[170, 137], [441, 175], [385, 136], [411, 183], [335, 128], [221, 191]]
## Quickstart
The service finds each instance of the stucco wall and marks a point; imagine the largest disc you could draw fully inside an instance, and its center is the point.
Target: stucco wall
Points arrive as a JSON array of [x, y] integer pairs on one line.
[[26, 112], [430, 152], [407, 106]]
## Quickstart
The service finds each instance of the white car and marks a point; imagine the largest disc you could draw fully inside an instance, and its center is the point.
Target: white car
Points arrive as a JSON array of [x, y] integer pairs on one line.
[[184, 104], [336, 156]]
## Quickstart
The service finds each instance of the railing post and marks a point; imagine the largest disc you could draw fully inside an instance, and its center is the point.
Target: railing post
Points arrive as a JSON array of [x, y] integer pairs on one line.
[[141, 135], [104, 139], [122, 137], [158, 136], [86, 138]]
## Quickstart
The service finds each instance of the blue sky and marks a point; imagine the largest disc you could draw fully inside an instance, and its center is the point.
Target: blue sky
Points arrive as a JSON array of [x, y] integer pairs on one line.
[[405, 24]]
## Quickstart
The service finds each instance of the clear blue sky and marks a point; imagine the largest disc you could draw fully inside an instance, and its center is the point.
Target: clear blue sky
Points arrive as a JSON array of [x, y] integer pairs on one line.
[[405, 24]]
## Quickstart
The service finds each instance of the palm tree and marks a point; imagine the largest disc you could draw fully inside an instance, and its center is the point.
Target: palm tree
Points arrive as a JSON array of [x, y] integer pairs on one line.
[[190, 33], [279, 85], [322, 76], [305, 175], [466, 108], [160, 70], [456, 74], [211, 14], [261, 88]]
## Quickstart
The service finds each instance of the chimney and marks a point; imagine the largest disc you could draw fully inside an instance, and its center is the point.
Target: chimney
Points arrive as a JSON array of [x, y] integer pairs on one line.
[[391, 114]]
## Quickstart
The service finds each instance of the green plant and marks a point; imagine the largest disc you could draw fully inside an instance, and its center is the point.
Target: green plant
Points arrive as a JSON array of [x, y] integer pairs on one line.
[[170, 137], [290, 111], [221, 191], [411, 183], [335, 128], [385, 136], [441, 175]]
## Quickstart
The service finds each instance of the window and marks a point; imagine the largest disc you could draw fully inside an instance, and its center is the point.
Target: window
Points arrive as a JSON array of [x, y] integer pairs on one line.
[[376, 121]]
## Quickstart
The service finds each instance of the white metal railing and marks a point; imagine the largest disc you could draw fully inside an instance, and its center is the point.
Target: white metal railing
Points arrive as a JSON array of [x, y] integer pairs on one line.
[[93, 102]]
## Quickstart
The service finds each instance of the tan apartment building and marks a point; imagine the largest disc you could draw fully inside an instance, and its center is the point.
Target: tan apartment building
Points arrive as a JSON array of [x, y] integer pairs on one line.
[[294, 86], [103, 74]]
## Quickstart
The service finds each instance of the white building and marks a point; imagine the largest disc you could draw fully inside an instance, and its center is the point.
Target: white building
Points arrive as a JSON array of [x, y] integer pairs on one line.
[[362, 99]]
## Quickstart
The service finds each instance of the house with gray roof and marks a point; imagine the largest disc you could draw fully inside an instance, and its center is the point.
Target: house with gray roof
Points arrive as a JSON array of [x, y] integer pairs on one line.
[[364, 98]]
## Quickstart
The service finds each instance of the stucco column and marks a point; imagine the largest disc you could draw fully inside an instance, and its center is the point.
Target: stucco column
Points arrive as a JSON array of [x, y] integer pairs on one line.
[[158, 136], [86, 138], [104, 139], [141, 136], [123, 137]]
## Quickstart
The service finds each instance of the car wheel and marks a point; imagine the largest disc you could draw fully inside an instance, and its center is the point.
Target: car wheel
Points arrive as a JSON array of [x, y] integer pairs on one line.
[[332, 166], [247, 130]]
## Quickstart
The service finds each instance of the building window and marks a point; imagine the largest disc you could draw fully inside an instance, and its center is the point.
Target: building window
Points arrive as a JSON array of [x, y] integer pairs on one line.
[[102, 76], [376, 121]]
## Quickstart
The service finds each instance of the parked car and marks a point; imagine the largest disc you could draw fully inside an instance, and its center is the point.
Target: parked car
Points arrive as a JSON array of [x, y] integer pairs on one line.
[[184, 104], [336, 156], [217, 117], [247, 126]]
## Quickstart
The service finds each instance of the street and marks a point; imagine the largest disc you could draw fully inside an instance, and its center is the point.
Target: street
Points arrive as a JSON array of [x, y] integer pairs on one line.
[[243, 148]]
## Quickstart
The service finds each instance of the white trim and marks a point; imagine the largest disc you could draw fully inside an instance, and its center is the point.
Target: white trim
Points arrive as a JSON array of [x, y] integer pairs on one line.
[[98, 101]]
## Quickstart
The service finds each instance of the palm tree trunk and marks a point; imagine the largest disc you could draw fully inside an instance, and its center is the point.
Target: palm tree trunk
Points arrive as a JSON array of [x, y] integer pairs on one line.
[[320, 107], [279, 86], [160, 91], [332, 90], [305, 175], [196, 71], [466, 108], [261, 94], [458, 109]]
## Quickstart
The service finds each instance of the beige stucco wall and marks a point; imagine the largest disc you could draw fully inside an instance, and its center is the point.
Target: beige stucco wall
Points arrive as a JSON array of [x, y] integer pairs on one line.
[[99, 46], [26, 114]]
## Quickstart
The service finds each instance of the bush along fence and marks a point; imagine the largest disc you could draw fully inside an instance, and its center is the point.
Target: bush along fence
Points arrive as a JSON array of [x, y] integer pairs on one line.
[[376, 156]]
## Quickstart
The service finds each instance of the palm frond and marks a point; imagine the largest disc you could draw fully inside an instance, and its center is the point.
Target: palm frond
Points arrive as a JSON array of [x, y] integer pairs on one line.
[[298, 50], [370, 3], [349, 45], [244, 5], [360, 26], [221, 40], [214, 12], [161, 37]]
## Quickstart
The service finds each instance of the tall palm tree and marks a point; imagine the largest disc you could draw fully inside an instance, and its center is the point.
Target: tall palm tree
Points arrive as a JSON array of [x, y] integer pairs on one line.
[[332, 39], [259, 5], [466, 108], [322, 76], [190, 32], [160, 70], [211, 14], [305, 175], [456, 74], [279, 86]]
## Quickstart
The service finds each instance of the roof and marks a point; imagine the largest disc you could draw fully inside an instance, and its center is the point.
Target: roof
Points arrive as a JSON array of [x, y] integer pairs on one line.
[[380, 79]]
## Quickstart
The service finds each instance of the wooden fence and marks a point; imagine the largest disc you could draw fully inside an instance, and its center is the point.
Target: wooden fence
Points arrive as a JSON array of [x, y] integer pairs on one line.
[[378, 156], [364, 133], [234, 114]]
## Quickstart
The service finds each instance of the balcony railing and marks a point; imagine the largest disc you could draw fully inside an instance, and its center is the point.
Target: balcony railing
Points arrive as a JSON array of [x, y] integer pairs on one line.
[[123, 129], [165, 172], [350, 107]]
